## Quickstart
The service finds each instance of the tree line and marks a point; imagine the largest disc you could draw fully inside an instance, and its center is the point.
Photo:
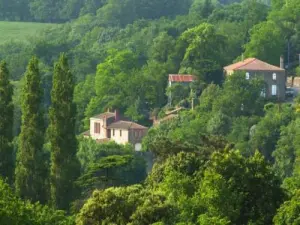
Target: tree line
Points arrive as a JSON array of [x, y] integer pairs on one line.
[[29, 172]]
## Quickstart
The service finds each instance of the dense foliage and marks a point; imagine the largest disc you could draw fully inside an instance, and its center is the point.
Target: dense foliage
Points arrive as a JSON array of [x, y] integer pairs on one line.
[[65, 167], [6, 121], [230, 157], [31, 165]]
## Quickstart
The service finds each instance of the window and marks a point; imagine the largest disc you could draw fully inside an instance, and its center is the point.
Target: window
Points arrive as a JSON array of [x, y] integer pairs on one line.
[[263, 93], [274, 89], [274, 76], [113, 132], [136, 134], [120, 133], [247, 76], [97, 128]]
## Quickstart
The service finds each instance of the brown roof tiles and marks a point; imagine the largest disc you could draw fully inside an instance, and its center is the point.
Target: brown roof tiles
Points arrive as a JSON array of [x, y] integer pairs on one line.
[[252, 64], [103, 115], [126, 125]]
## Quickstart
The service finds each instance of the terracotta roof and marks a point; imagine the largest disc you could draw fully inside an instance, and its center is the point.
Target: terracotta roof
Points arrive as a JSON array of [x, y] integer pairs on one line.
[[102, 115], [253, 64], [182, 78], [121, 124]]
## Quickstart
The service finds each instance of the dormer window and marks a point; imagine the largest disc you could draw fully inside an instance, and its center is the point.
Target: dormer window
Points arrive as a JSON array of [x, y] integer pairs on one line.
[[247, 76], [274, 76]]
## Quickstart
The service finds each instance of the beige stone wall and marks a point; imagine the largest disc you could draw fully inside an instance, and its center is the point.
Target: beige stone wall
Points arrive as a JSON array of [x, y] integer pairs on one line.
[[119, 137], [296, 82], [95, 136]]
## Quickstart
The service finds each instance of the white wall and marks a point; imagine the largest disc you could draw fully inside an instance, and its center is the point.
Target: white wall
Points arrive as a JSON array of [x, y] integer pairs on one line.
[[102, 130], [120, 139]]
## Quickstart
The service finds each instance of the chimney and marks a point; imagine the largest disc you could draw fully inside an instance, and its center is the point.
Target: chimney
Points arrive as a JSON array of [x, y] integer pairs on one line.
[[281, 62], [117, 115]]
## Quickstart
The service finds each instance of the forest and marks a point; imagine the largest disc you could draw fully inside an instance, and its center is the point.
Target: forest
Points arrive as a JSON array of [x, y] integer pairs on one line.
[[234, 158]]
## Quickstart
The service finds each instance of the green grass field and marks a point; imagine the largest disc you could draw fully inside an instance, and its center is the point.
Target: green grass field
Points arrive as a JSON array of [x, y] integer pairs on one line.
[[20, 30]]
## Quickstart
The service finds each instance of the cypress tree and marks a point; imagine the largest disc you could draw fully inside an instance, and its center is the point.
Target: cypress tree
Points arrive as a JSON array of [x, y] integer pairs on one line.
[[31, 170], [6, 124], [65, 167]]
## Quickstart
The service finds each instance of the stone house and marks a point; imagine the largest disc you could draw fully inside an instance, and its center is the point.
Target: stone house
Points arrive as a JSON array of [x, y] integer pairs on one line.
[[274, 77], [109, 127]]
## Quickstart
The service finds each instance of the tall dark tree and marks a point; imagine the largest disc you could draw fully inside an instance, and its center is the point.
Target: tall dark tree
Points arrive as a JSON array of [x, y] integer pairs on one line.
[[6, 123], [65, 167], [31, 169]]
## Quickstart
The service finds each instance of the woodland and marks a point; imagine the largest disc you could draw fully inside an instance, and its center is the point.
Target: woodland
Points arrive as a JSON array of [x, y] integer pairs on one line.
[[233, 158]]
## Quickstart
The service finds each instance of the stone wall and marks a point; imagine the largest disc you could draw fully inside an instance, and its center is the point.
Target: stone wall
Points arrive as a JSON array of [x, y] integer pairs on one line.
[[290, 82]]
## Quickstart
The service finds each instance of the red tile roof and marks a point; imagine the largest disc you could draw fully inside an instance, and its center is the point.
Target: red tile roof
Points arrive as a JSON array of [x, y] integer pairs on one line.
[[252, 64], [182, 78], [103, 115], [121, 124]]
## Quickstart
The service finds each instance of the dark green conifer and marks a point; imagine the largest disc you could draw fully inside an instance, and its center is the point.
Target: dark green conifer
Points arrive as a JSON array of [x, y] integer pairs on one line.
[[65, 167], [31, 170], [6, 124]]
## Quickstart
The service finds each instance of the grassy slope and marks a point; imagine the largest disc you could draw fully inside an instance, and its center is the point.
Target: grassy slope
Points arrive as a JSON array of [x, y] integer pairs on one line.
[[20, 30]]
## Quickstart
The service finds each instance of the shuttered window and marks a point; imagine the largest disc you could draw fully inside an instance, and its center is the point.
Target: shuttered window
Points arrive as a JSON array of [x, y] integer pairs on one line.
[[97, 128]]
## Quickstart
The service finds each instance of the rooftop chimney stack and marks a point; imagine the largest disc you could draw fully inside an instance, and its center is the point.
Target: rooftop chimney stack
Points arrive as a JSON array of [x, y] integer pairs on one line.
[[281, 62], [117, 115]]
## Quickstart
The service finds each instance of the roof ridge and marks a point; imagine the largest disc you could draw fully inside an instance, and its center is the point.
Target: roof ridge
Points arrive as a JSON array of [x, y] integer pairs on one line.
[[246, 63]]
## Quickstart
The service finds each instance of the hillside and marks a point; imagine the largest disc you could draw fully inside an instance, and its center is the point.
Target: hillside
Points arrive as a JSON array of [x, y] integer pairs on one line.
[[20, 30]]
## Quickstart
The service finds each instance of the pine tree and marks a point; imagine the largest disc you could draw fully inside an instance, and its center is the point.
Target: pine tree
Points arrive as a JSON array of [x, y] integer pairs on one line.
[[31, 169], [6, 124], [65, 167]]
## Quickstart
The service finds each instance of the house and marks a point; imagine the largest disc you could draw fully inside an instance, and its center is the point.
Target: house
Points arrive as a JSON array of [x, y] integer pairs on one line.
[[183, 79], [109, 127], [274, 77]]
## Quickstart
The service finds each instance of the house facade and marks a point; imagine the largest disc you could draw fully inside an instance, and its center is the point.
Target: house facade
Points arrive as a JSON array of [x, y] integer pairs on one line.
[[109, 127], [274, 77]]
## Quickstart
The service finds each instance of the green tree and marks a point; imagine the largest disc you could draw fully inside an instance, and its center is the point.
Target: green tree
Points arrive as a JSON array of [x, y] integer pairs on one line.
[[204, 48], [260, 45], [287, 149], [125, 205], [31, 168], [267, 132], [6, 124], [65, 167], [288, 213], [243, 96], [14, 211], [243, 190]]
